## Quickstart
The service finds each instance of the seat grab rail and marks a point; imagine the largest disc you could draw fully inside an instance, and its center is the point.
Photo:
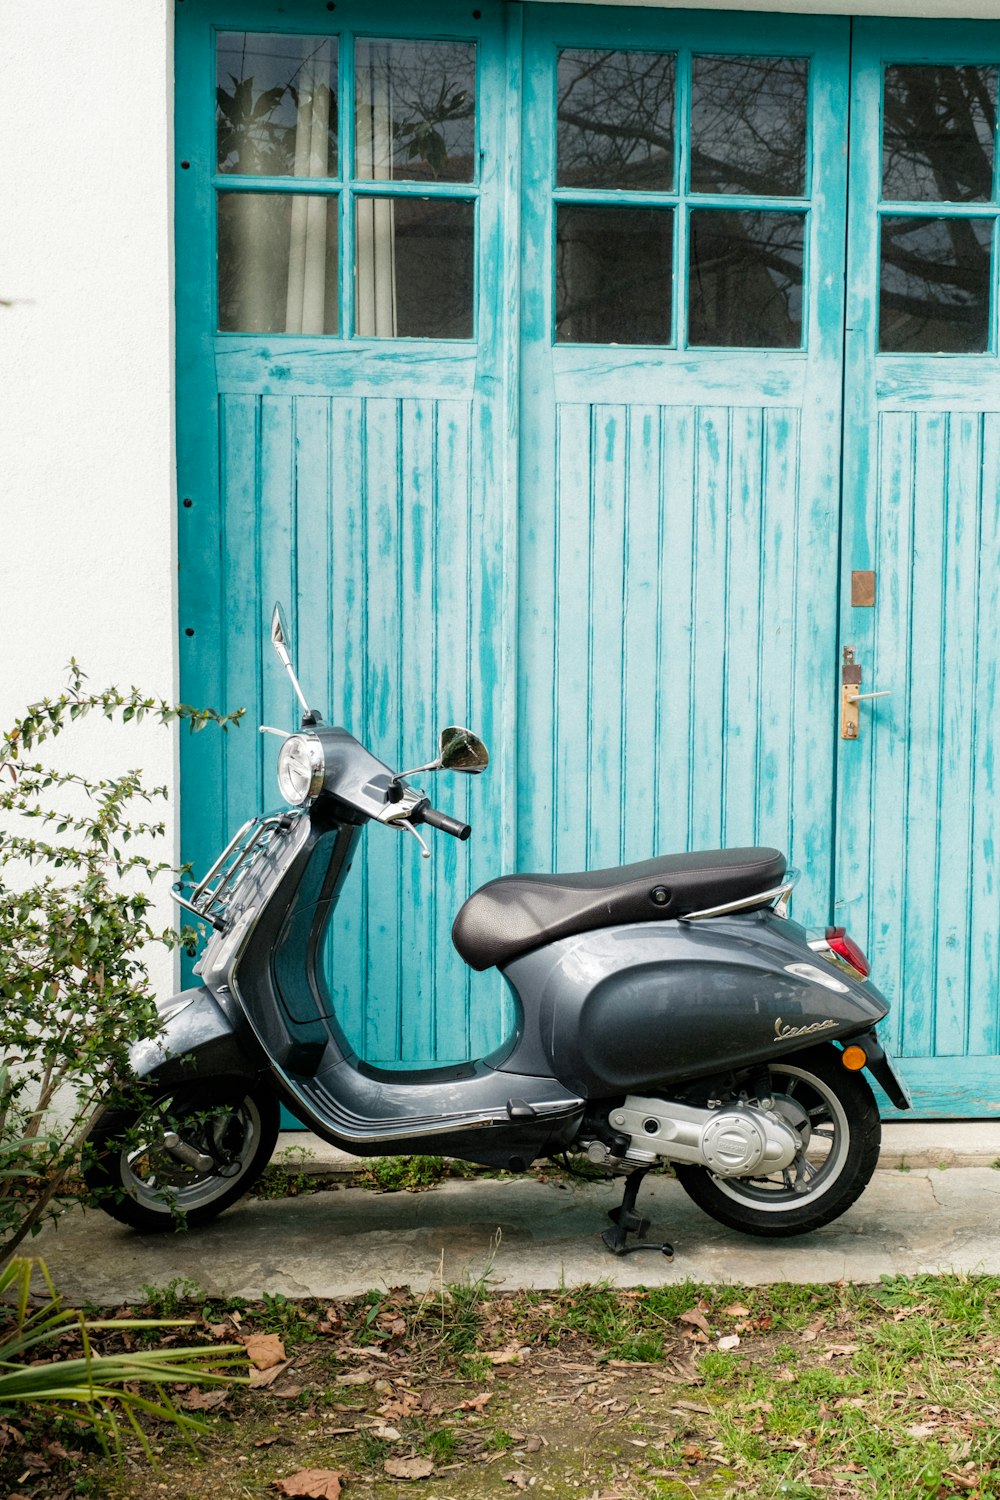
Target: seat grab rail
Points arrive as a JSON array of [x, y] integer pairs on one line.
[[778, 895]]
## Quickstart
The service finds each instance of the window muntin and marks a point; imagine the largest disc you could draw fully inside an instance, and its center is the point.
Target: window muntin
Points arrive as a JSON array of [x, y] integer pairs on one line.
[[937, 269], [741, 124], [287, 257]]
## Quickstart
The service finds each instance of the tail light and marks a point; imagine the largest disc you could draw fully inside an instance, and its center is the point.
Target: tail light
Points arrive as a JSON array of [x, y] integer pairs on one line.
[[839, 949]]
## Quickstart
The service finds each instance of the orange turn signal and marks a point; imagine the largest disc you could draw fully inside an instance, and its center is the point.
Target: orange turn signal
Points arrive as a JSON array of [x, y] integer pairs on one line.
[[853, 1058]]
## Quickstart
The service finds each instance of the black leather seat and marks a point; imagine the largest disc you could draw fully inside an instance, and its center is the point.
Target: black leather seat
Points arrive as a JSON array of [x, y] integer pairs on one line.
[[512, 915]]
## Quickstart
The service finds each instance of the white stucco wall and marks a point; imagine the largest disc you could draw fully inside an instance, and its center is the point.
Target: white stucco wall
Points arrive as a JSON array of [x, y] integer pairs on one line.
[[87, 561]]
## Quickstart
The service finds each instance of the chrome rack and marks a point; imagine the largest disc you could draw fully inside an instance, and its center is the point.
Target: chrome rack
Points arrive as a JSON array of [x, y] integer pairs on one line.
[[244, 851], [777, 897]]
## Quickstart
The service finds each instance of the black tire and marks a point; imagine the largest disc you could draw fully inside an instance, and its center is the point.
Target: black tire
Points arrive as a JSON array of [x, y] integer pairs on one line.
[[134, 1177], [839, 1154]]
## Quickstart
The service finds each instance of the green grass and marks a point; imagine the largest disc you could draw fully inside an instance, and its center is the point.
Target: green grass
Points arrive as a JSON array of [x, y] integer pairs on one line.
[[889, 1392]]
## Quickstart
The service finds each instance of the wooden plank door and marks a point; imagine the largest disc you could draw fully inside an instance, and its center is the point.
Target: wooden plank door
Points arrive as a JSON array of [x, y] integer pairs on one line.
[[344, 430], [681, 375], [919, 817]]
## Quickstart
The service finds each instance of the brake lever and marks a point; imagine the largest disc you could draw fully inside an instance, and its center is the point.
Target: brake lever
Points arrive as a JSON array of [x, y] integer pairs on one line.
[[395, 815], [405, 823]]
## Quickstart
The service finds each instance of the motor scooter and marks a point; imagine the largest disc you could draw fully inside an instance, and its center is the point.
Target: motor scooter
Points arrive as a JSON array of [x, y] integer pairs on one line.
[[668, 1011]]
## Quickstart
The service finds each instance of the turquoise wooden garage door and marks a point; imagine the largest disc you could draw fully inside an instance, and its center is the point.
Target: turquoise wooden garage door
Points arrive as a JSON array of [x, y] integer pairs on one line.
[[918, 810], [513, 354]]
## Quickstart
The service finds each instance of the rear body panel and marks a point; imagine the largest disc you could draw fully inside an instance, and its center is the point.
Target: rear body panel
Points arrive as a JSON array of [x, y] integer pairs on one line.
[[650, 1005]]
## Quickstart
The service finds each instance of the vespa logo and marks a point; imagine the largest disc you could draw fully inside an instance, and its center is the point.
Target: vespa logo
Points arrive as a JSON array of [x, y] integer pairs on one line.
[[783, 1033]]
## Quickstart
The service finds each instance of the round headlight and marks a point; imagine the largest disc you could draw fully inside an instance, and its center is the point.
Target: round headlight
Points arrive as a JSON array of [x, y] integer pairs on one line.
[[300, 768]]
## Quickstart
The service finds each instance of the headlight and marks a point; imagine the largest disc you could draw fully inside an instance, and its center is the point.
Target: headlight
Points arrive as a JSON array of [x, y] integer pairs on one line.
[[300, 768]]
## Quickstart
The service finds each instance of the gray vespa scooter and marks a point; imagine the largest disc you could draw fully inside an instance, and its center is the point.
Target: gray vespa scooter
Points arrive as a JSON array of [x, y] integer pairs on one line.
[[667, 1011]]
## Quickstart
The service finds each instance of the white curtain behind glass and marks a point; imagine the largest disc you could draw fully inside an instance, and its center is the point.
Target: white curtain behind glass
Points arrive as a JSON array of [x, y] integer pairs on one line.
[[375, 273], [306, 301]]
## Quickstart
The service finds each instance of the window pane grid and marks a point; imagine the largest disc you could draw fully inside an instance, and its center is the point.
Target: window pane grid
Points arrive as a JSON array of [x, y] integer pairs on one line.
[[748, 289], [360, 161], [939, 202]]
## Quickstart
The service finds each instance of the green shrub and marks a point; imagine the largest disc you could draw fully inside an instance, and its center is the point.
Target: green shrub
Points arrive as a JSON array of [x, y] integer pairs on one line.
[[75, 904]]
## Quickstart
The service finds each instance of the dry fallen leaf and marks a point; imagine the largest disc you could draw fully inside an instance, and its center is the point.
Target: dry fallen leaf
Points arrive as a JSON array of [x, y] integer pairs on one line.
[[316, 1484], [729, 1341], [356, 1377], [511, 1356], [264, 1350], [692, 1406], [266, 1377], [409, 1468], [516, 1477], [475, 1403], [197, 1400], [696, 1319], [736, 1311]]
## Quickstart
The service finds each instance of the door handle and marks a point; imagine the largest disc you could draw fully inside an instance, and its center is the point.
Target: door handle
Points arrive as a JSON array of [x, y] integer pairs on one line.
[[851, 696]]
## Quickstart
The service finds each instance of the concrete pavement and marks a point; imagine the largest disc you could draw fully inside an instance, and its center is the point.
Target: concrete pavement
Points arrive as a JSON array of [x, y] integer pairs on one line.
[[933, 1205]]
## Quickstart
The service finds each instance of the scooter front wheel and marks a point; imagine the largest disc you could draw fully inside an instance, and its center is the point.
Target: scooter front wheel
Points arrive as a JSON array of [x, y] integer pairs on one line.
[[835, 1113], [180, 1156]]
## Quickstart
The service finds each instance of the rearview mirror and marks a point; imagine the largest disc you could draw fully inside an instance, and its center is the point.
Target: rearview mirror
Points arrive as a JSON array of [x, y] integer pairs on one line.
[[461, 750]]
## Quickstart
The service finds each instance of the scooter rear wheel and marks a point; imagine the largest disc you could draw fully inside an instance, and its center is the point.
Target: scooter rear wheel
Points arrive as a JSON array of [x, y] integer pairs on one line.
[[839, 1153], [220, 1150]]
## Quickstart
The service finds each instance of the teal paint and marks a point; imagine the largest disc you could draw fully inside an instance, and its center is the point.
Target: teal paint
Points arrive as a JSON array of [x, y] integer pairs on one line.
[[676, 510], [917, 815], [621, 564]]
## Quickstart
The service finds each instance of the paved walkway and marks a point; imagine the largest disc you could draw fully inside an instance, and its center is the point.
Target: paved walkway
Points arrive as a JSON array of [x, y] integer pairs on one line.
[[524, 1233]]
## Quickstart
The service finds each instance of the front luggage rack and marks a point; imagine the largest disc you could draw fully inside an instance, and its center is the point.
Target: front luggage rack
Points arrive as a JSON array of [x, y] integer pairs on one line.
[[241, 855]]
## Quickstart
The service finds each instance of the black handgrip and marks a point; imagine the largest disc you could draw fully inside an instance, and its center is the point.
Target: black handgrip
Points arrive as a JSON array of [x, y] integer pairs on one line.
[[441, 820]]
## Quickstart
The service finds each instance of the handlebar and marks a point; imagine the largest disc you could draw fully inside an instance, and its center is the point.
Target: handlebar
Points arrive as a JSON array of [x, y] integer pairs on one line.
[[435, 819]]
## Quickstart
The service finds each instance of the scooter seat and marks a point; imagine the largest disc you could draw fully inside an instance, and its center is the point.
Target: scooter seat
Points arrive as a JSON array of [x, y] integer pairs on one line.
[[512, 915]]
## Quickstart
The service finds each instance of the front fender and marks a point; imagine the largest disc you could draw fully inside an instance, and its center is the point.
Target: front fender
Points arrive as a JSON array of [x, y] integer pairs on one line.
[[202, 1037]]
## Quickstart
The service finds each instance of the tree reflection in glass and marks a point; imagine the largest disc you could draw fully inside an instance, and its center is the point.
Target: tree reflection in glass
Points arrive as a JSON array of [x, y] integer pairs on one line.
[[746, 279], [938, 133], [935, 285], [615, 119], [415, 105], [613, 274], [276, 104], [748, 125]]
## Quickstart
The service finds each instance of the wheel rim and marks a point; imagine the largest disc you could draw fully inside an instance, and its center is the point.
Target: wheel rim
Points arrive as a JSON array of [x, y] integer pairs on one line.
[[819, 1162], [157, 1180]]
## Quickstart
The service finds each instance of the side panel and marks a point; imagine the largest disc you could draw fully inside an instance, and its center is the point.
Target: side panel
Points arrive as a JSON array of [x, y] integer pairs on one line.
[[656, 1005]]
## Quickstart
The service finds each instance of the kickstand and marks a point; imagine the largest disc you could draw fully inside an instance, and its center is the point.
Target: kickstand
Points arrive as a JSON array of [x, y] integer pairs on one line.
[[627, 1221]]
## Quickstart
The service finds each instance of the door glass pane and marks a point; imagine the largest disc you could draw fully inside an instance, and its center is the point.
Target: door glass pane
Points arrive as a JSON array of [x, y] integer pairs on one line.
[[746, 279], [748, 125], [276, 104], [613, 274], [616, 119], [415, 105], [938, 132], [935, 285], [277, 263], [415, 267]]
